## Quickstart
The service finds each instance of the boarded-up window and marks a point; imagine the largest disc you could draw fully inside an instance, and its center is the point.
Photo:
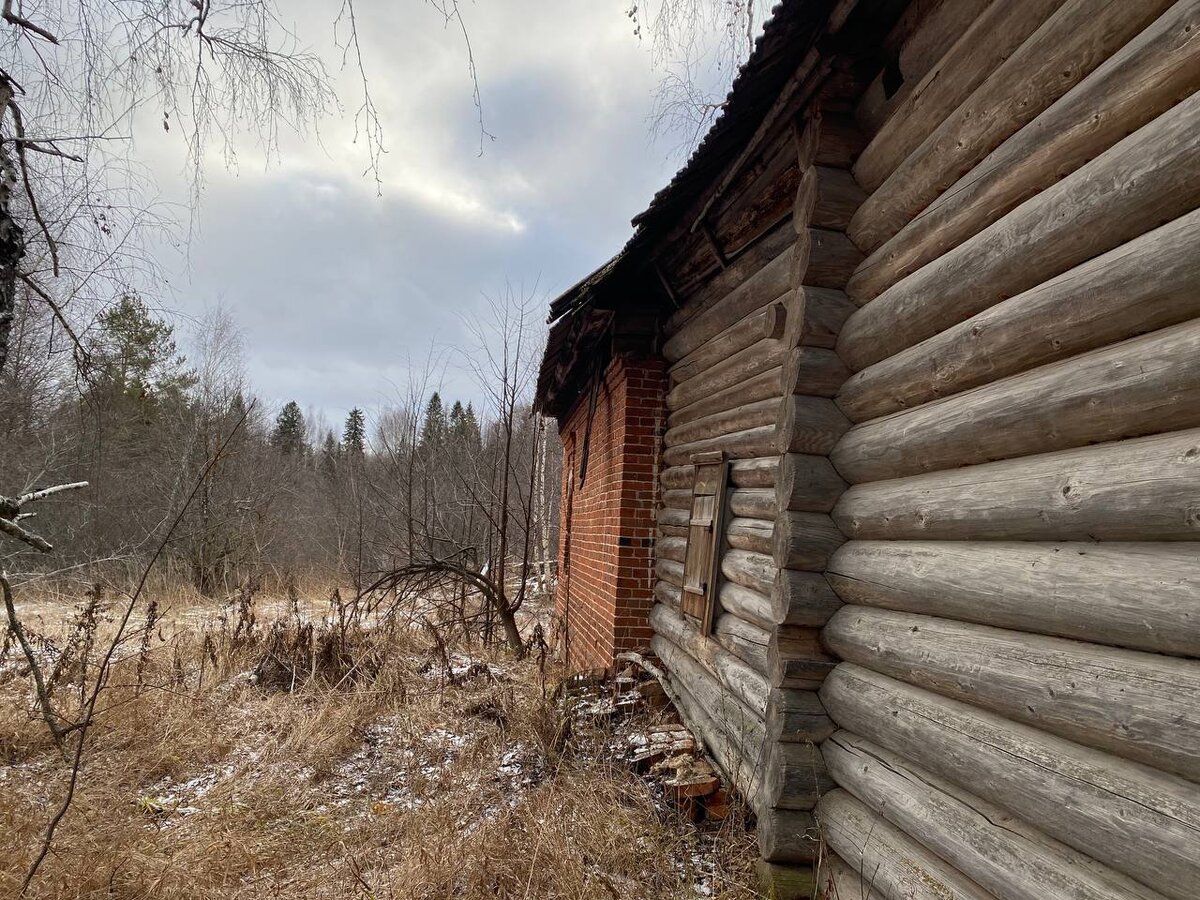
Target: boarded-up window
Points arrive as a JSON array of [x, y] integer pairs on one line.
[[705, 530]]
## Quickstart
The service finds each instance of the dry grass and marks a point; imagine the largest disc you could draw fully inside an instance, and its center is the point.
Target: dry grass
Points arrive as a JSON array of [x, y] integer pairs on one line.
[[360, 771]]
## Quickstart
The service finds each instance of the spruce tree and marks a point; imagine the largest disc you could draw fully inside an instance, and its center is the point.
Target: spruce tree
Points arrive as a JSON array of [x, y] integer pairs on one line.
[[288, 436], [433, 431], [330, 452], [354, 437]]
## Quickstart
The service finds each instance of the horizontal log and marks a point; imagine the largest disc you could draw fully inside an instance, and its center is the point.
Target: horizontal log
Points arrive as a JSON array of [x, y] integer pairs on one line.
[[668, 594], [669, 571], [673, 548], [750, 534], [807, 483], [1146, 284], [763, 386], [810, 425], [1140, 489], [994, 849], [797, 716], [815, 316], [1142, 823], [743, 473], [729, 372], [814, 371], [802, 598], [1072, 42], [797, 659], [680, 498], [794, 776], [839, 141], [1139, 595], [1145, 78], [768, 322], [739, 418], [805, 540], [1140, 706], [877, 861], [837, 198], [768, 283], [748, 642], [754, 503], [673, 522], [779, 239], [733, 675], [1088, 213], [832, 259], [984, 44], [751, 443], [787, 836], [1141, 386], [718, 721], [752, 570], [746, 603]]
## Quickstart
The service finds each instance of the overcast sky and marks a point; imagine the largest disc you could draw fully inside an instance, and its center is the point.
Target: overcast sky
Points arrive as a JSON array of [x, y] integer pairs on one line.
[[337, 288]]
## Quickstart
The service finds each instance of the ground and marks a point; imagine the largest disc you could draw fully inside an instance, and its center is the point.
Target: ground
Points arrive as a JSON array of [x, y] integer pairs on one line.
[[301, 761]]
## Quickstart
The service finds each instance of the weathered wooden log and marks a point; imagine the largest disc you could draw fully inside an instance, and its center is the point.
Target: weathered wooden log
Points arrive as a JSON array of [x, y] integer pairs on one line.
[[815, 316], [673, 548], [938, 25], [785, 882], [836, 198], [759, 387], [839, 141], [983, 46], [814, 371], [729, 372], [810, 425], [1143, 823], [831, 260], [679, 498], [753, 503], [805, 540], [787, 836], [1143, 79], [802, 598], [739, 418], [718, 721], [743, 473], [1139, 595], [768, 322], [746, 603], [668, 594], [669, 571], [1140, 706], [768, 283], [797, 716], [807, 483], [735, 676], [1146, 284], [748, 642], [1139, 489], [752, 570], [673, 522], [794, 776], [750, 534], [747, 264], [1089, 212], [993, 848], [1141, 386], [797, 659], [748, 444], [1069, 45], [877, 861]]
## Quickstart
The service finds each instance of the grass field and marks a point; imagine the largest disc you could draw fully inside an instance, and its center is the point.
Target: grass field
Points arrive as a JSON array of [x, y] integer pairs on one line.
[[295, 759]]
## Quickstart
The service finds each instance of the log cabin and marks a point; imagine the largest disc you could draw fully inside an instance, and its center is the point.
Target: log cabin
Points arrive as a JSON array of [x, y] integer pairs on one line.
[[883, 433]]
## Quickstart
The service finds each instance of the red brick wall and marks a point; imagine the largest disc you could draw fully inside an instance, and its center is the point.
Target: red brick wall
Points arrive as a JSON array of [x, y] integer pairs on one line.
[[606, 543]]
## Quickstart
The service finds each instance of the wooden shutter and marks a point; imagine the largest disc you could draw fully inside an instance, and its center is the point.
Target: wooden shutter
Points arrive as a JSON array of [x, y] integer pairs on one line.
[[705, 532]]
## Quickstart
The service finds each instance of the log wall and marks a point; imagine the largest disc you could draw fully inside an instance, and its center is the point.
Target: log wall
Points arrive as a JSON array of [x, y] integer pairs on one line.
[[1018, 693]]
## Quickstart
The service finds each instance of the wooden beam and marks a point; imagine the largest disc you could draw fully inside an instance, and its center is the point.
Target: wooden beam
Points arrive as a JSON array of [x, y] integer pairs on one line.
[[1087, 213], [1139, 595], [1142, 823], [1140, 489]]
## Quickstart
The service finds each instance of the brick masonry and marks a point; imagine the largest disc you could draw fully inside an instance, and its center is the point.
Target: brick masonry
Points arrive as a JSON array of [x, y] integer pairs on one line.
[[606, 544]]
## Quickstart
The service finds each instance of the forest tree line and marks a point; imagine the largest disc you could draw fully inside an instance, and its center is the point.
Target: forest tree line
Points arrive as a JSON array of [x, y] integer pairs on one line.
[[273, 492]]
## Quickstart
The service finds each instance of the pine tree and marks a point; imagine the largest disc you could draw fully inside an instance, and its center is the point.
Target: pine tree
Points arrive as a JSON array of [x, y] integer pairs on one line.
[[135, 357], [354, 437], [433, 431], [288, 436]]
